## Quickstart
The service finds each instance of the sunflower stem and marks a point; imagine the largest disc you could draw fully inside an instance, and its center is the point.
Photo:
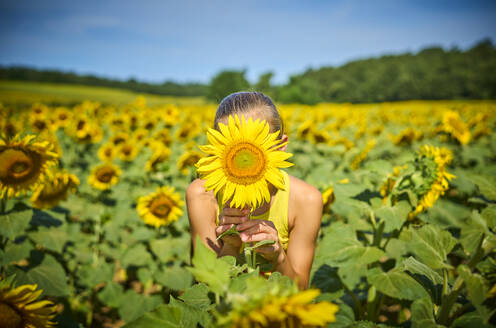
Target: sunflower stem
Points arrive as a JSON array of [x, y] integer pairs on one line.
[[3, 204]]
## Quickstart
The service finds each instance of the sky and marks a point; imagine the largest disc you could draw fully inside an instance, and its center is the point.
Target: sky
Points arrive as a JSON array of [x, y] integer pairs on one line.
[[191, 41]]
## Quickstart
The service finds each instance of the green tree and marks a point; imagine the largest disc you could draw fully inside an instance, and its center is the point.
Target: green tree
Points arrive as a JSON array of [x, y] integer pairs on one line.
[[225, 83]]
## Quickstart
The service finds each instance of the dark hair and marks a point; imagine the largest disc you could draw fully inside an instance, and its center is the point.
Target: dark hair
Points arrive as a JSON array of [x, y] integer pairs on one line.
[[242, 102]]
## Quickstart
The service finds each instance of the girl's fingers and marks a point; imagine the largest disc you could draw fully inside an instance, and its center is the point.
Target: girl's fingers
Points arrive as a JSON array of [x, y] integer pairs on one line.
[[220, 229], [228, 211], [232, 219], [257, 237], [251, 223], [266, 249]]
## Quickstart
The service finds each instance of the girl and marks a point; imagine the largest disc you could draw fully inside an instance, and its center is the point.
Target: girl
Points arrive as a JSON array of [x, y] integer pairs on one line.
[[292, 217]]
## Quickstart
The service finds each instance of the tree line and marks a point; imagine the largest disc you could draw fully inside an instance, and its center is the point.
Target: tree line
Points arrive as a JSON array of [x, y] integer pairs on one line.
[[432, 73]]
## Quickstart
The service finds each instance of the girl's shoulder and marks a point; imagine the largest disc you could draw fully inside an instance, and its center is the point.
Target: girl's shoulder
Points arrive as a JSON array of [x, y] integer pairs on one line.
[[301, 192], [196, 192]]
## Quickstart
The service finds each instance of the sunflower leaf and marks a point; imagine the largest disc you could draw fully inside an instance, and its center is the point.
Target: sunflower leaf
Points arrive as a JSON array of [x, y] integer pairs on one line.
[[231, 231], [260, 244]]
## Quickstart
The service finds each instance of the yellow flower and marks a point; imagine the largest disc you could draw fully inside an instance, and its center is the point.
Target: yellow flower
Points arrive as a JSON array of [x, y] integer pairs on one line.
[[296, 310], [23, 164], [127, 151], [328, 198], [355, 164], [243, 159], [107, 152], [19, 308], [187, 160], [453, 124], [104, 176], [50, 193], [161, 207], [119, 138], [61, 117], [441, 157], [160, 154]]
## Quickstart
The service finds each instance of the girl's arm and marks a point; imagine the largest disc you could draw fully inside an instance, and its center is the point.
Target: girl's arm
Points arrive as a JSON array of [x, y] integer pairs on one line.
[[296, 262], [202, 212]]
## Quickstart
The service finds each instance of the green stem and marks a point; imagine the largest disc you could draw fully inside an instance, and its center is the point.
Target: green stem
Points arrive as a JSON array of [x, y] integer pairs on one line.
[[378, 235], [450, 299], [358, 307], [445, 282], [3, 204]]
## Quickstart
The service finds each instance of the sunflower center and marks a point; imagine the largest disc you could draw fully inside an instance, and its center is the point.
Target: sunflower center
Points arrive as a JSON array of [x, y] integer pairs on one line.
[[9, 317], [161, 206], [245, 163], [105, 174], [15, 164]]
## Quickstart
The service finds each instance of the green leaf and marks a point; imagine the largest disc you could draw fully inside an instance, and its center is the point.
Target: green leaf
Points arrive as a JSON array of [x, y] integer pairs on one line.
[[15, 223], [175, 278], [49, 275], [136, 255], [489, 214], [395, 216], [208, 269], [192, 316], [112, 294], [326, 279], [396, 284], [470, 320], [197, 296], [345, 317], [430, 244], [260, 244], [52, 239], [423, 314], [167, 249], [134, 305], [342, 247], [414, 266], [472, 231], [230, 231], [164, 316], [16, 252], [91, 275], [477, 291], [485, 183]]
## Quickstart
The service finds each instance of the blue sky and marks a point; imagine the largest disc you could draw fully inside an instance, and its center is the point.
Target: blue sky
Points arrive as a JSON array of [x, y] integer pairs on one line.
[[186, 40]]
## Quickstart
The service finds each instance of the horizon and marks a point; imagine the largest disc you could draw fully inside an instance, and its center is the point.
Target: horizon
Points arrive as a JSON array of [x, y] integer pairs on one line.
[[190, 42]]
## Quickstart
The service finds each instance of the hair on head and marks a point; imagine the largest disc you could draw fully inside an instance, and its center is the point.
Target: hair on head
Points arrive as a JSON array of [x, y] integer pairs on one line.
[[242, 102]]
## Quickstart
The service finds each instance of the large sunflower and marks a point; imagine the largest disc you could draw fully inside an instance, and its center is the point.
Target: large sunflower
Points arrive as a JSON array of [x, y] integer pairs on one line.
[[49, 194], [19, 308], [243, 159], [23, 163], [104, 176], [296, 310], [161, 207]]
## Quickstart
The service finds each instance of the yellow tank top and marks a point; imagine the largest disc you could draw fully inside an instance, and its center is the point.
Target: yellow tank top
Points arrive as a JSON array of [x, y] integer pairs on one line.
[[277, 213]]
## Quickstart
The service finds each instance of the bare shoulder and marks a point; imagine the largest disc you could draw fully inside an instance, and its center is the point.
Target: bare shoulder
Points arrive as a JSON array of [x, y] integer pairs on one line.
[[303, 193], [196, 192], [305, 204]]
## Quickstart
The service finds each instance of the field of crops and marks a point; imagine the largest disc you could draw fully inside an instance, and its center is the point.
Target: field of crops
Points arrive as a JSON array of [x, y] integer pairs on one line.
[[93, 213]]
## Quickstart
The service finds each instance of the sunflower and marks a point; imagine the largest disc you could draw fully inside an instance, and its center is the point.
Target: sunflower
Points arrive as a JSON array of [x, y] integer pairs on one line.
[[119, 138], [161, 207], [187, 131], [328, 198], [127, 151], [296, 310], [19, 308], [61, 117], [53, 191], [454, 125], [104, 176], [140, 134], [243, 159], [187, 160], [160, 154], [355, 164], [441, 178], [23, 163], [107, 152]]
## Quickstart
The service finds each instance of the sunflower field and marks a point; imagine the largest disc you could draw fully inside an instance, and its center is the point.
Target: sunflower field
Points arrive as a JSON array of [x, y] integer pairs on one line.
[[94, 230]]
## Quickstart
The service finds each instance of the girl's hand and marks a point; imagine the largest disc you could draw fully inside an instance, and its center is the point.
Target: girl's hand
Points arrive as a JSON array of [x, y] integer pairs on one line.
[[258, 230], [227, 219]]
